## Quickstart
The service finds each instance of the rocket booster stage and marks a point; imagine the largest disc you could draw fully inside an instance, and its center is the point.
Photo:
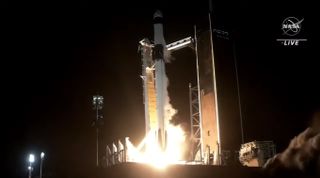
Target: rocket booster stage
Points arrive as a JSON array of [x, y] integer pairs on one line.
[[155, 83], [160, 75]]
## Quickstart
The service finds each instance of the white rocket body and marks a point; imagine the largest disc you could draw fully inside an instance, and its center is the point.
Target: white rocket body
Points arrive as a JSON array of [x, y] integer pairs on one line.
[[161, 79]]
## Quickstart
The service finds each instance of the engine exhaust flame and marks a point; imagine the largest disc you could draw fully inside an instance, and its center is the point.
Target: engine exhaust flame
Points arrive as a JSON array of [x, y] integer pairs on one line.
[[149, 151]]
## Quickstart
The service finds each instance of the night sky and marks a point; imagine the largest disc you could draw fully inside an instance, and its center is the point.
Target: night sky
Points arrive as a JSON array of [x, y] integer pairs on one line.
[[54, 61]]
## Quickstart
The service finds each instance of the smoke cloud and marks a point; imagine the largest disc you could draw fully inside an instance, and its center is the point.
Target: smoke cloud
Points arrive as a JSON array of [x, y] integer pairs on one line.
[[168, 58], [301, 158], [169, 111]]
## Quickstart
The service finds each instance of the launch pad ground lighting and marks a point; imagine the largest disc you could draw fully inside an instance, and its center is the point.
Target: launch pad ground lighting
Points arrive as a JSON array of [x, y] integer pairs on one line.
[[97, 102]]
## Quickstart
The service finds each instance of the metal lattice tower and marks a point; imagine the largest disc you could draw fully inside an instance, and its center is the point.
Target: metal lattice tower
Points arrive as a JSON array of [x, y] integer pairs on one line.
[[195, 123]]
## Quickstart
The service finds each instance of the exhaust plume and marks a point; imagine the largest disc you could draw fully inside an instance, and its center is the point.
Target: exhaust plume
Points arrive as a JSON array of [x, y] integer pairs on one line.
[[301, 158], [169, 111]]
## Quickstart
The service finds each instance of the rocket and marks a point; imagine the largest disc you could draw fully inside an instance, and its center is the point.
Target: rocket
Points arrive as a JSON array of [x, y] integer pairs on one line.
[[155, 83], [160, 77]]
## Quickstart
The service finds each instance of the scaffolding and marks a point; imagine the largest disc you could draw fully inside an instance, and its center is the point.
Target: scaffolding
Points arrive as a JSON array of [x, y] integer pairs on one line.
[[196, 152]]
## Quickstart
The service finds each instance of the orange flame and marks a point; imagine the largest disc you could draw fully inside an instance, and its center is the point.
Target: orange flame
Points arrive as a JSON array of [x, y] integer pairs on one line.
[[153, 154]]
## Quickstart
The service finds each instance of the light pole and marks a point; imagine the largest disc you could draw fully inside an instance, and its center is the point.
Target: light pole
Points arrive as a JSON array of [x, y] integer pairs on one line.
[[31, 160], [97, 102], [41, 162]]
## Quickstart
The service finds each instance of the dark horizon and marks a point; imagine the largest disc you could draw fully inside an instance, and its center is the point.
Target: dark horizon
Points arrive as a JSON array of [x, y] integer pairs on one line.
[[55, 61]]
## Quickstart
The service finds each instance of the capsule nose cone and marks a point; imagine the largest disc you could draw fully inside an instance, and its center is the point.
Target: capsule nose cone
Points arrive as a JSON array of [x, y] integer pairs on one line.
[[157, 14]]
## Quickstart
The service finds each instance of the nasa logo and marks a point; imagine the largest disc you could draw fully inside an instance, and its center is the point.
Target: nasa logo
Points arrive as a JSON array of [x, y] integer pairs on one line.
[[291, 26]]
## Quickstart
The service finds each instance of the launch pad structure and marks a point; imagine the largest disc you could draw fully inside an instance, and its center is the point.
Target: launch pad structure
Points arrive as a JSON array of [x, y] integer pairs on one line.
[[204, 112], [204, 128]]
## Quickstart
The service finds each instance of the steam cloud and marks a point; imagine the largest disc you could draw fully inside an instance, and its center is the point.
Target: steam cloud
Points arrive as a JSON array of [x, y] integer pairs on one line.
[[169, 111], [167, 56], [301, 158]]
